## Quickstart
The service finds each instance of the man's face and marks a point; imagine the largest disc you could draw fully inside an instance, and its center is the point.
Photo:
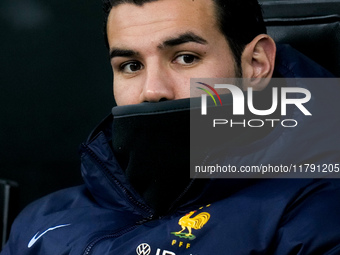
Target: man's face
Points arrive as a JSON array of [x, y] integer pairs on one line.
[[156, 48]]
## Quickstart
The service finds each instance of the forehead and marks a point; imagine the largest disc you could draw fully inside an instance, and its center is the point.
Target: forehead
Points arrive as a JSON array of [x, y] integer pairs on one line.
[[128, 21]]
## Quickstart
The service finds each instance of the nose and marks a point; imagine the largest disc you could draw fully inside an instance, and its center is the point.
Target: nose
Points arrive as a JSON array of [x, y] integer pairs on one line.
[[158, 86]]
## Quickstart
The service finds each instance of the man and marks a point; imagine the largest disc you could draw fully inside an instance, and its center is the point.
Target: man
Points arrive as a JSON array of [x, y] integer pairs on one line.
[[138, 197]]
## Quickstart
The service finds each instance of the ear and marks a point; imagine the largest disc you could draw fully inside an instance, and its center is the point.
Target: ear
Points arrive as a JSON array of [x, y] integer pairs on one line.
[[258, 61]]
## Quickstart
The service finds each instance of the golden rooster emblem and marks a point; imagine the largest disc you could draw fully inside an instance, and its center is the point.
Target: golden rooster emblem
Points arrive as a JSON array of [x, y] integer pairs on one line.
[[196, 222]]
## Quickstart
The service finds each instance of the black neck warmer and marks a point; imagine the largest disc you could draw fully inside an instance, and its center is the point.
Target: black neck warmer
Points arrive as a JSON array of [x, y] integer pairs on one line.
[[151, 142]]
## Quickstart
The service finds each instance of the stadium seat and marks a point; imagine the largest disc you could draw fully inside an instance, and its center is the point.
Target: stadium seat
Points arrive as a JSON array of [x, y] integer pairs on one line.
[[310, 26]]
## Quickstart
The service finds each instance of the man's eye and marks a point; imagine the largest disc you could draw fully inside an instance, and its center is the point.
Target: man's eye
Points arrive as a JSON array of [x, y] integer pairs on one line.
[[131, 67], [186, 59]]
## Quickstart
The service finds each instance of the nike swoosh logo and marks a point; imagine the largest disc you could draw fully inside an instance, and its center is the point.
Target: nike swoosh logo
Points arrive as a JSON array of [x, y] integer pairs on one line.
[[36, 237]]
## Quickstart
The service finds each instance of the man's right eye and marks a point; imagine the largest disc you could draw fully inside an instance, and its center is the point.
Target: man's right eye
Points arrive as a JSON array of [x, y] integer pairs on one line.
[[130, 67]]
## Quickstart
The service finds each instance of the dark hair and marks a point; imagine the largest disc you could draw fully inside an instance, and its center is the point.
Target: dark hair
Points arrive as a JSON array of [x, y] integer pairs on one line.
[[239, 20], [107, 6]]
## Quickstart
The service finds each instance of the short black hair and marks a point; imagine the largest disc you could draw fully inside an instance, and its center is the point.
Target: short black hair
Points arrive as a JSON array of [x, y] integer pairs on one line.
[[240, 21], [107, 6]]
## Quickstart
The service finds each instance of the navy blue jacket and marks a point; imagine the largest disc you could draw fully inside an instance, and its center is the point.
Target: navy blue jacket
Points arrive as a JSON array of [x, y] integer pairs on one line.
[[268, 216]]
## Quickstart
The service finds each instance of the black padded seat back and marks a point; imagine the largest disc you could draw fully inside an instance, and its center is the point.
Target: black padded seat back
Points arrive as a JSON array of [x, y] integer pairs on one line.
[[312, 27]]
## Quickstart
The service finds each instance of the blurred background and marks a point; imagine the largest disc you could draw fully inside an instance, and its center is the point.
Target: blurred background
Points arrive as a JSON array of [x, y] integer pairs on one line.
[[55, 87]]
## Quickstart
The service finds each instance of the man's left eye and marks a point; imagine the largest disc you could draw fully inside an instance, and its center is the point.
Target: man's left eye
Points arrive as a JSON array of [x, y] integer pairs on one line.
[[186, 59]]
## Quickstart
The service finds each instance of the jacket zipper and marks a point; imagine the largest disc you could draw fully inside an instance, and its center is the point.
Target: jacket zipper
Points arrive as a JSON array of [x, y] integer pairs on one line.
[[113, 235], [121, 232], [132, 200], [122, 188]]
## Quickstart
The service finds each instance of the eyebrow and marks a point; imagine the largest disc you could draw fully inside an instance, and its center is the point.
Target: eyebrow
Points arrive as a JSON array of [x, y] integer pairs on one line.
[[115, 52], [171, 42], [181, 39]]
